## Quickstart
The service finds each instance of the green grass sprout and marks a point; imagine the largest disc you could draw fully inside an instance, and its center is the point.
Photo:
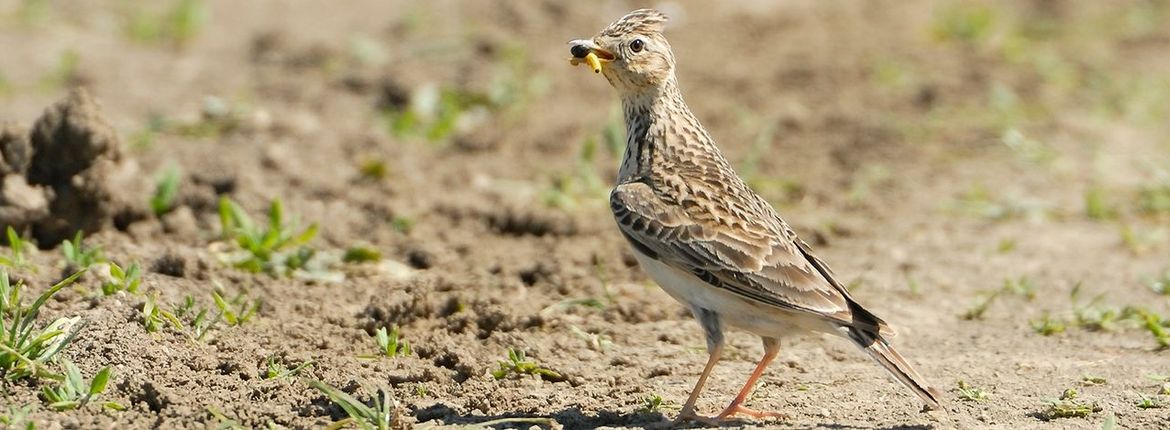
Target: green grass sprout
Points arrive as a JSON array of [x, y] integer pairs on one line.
[[280, 248], [361, 254], [277, 370], [1047, 325], [78, 255], [176, 25], [74, 392], [154, 317], [236, 311], [17, 246], [165, 191], [1161, 283], [390, 344], [970, 393], [1149, 402], [518, 364], [1068, 406], [1089, 380], [119, 279], [17, 417], [383, 415], [25, 348]]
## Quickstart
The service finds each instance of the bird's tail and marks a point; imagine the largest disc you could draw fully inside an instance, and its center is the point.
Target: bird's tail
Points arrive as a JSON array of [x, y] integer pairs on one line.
[[876, 347]]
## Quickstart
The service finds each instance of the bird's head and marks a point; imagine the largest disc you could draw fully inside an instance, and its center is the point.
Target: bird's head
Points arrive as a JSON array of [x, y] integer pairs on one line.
[[631, 52]]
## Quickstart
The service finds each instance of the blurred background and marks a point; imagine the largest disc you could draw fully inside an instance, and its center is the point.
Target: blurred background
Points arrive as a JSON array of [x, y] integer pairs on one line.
[[994, 176]]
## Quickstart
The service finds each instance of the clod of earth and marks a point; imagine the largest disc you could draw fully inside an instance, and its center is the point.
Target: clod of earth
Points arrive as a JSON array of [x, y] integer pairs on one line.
[[67, 174]]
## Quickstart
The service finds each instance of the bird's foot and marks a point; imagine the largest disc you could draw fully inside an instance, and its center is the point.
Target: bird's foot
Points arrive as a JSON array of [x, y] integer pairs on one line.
[[735, 409], [691, 416]]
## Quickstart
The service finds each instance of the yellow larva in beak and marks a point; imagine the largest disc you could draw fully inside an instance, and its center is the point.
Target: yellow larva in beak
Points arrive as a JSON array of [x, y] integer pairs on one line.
[[593, 62], [585, 51], [591, 59]]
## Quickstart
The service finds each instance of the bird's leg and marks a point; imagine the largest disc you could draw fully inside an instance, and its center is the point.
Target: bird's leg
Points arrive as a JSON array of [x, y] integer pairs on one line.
[[688, 409], [771, 349], [713, 328]]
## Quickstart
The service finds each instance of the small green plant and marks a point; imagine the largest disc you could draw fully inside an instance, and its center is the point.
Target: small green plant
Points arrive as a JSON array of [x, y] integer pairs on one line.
[[1161, 283], [17, 417], [651, 403], [15, 244], [1089, 380], [278, 249], [518, 364], [435, 114], [373, 169], [200, 321], [74, 392], [1164, 380], [127, 280], [186, 307], [595, 341], [976, 311], [1110, 423], [1149, 402], [176, 25], [1155, 199], [1047, 325], [970, 393], [980, 202], [361, 254], [390, 344], [25, 348], [1006, 246], [223, 422], [1068, 406], [154, 317], [1097, 205], [276, 370], [165, 192], [1093, 316], [78, 255], [402, 224], [238, 310], [968, 24], [201, 325], [381, 416], [1153, 323], [1021, 286], [1142, 241], [913, 285]]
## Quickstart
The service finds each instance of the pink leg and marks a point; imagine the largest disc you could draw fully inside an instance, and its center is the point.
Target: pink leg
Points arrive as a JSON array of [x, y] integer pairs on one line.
[[771, 349], [688, 409]]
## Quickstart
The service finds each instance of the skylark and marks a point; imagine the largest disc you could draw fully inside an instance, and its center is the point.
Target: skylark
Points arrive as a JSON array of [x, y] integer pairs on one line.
[[703, 235]]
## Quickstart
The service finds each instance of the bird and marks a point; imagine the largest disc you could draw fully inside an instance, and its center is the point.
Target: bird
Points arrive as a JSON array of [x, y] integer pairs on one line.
[[700, 232]]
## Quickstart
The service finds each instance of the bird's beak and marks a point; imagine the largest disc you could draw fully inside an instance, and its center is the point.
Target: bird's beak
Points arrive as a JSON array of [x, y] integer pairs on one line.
[[586, 51]]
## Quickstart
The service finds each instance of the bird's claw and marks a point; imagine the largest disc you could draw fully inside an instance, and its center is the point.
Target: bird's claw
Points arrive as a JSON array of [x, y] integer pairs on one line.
[[740, 409], [693, 417]]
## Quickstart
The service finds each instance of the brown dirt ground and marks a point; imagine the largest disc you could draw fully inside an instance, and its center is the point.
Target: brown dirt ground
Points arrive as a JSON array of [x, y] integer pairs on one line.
[[931, 151]]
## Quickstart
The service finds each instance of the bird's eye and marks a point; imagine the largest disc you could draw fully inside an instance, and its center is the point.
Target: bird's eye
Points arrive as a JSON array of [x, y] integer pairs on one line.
[[637, 45]]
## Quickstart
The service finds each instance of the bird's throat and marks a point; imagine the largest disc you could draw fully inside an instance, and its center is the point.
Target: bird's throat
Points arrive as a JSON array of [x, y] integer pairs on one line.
[[658, 125]]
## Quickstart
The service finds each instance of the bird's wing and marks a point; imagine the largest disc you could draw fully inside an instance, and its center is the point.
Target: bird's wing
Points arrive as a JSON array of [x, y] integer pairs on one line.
[[759, 260]]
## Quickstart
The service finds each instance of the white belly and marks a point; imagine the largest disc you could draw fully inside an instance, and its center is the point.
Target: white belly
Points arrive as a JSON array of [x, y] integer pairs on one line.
[[733, 310]]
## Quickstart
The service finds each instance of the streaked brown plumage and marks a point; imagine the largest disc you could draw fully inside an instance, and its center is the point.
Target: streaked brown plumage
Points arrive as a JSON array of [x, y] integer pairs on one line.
[[704, 235]]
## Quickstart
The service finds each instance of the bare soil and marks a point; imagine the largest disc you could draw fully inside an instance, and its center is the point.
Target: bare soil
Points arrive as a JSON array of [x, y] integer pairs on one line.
[[932, 153]]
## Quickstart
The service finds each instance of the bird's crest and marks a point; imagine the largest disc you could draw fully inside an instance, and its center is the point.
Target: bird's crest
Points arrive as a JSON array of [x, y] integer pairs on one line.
[[642, 21]]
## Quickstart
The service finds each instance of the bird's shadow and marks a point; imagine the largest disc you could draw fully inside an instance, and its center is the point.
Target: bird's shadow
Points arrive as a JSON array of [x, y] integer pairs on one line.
[[575, 418]]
